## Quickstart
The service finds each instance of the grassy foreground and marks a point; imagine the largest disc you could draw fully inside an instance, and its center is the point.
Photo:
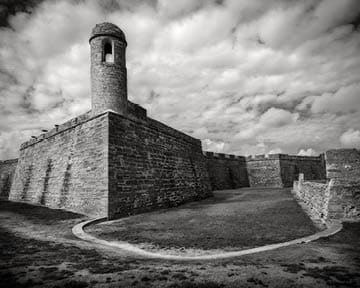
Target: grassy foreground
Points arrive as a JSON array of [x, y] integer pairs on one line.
[[37, 249], [231, 220]]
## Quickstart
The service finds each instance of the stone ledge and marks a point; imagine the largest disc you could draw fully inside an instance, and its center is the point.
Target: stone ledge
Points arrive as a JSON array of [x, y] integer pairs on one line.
[[61, 128], [9, 161], [215, 155], [161, 127]]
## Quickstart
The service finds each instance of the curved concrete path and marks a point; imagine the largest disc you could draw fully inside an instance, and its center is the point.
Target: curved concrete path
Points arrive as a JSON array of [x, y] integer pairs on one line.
[[78, 231]]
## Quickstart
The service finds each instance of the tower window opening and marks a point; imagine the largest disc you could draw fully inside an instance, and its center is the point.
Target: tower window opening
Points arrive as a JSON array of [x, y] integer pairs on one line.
[[108, 53]]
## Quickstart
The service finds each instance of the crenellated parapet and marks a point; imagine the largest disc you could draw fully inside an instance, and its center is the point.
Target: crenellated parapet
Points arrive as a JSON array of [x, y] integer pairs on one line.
[[59, 129], [264, 170], [210, 154]]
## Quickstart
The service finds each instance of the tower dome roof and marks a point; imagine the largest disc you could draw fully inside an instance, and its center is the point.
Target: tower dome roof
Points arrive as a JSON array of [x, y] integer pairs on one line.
[[107, 29]]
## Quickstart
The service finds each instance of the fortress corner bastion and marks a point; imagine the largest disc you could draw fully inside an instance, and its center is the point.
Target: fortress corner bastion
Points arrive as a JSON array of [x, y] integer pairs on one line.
[[115, 161]]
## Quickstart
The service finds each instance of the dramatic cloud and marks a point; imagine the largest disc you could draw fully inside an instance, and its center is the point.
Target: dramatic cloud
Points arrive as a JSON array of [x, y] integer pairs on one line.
[[350, 138], [307, 152], [245, 77]]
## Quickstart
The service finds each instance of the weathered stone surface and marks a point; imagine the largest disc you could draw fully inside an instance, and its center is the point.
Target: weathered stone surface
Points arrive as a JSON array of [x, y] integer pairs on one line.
[[339, 198], [115, 161], [226, 171], [66, 167], [108, 79], [314, 196], [274, 170], [107, 29], [343, 168], [264, 171], [7, 170], [291, 166], [151, 166]]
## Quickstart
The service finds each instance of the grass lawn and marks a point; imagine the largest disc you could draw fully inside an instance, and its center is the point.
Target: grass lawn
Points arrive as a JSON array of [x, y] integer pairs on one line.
[[232, 219], [37, 249]]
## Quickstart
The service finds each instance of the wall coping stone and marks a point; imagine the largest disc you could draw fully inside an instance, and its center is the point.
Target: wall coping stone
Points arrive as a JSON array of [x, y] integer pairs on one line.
[[161, 127], [9, 161], [137, 114], [263, 157], [210, 154], [72, 123]]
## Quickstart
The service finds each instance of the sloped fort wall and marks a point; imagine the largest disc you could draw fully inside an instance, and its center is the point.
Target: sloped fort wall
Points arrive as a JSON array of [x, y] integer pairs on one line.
[[151, 166], [7, 170], [66, 167], [274, 170], [343, 172], [111, 165], [314, 197], [226, 171], [339, 197]]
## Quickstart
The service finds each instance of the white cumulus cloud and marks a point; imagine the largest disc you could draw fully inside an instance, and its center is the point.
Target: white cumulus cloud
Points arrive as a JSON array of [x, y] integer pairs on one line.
[[350, 139]]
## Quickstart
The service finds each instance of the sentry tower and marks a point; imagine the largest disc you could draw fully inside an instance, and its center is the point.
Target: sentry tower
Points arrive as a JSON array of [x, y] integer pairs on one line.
[[108, 69]]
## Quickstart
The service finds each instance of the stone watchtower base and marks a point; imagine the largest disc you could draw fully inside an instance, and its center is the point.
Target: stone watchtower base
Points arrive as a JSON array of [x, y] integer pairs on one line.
[[109, 165]]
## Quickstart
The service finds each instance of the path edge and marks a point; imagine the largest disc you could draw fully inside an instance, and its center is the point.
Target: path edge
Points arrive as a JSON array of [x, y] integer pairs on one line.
[[78, 231]]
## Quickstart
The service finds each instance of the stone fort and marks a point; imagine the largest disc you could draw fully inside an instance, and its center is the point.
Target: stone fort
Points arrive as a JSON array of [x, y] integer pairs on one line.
[[115, 161]]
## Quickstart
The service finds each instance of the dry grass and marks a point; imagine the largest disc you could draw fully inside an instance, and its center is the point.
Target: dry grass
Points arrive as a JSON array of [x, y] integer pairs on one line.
[[37, 250], [232, 219]]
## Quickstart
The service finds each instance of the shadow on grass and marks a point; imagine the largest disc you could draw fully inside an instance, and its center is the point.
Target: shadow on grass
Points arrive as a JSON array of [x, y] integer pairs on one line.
[[350, 234], [38, 214], [31, 255]]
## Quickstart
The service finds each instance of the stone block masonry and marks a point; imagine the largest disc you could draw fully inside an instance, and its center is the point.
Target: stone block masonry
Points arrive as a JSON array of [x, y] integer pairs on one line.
[[152, 166], [312, 167], [314, 196], [115, 161], [343, 169], [264, 171], [111, 165], [226, 171], [7, 170], [66, 167], [339, 197], [274, 170]]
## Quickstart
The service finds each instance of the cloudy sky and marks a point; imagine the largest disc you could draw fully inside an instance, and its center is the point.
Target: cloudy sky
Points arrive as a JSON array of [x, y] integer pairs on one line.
[[245, 77]]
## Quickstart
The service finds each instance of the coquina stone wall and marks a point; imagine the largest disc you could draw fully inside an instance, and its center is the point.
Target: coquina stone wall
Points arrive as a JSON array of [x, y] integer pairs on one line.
[[314, 197], [66, 167], [339, 197], [226, 171], [264, 171], [273, 170], [313, 168], [152, 166], [111, 165], [7, 170], [343, 169]]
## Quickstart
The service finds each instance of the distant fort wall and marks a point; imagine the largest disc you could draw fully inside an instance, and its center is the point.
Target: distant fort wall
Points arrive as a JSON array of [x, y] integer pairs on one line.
[[226, 171], [264, 170], [339, 197], [312, 167], [7, 170], [273, 170]]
